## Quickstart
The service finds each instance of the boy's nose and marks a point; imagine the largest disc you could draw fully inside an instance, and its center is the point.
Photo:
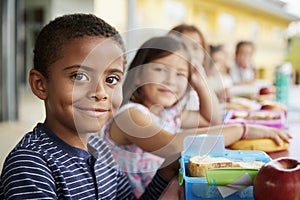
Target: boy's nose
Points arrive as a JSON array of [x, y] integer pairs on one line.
[[99, 93]]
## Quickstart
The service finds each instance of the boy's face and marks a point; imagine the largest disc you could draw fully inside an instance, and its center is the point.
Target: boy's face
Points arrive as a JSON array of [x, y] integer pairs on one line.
[[84, 86]]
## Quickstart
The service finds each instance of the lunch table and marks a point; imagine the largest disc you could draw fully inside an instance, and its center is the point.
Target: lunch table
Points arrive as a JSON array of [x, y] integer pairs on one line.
[[176, 192]]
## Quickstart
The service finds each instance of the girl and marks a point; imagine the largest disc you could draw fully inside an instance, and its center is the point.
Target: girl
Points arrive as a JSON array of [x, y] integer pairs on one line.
[[219, 61], [142, 133], [199, 51], [196, 38]]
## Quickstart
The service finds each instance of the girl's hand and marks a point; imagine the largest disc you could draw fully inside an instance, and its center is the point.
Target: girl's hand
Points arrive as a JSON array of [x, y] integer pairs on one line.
[[257, 131], [198, 76]]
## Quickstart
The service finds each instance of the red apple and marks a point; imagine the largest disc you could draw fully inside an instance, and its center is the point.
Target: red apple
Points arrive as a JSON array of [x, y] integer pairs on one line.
[[266, 90], [271, 105], [278, 179]]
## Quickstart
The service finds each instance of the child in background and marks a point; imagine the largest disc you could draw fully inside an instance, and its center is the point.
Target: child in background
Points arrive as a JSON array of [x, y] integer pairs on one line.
[[242, 70], [219, 61], [199, 51], [199, 47], [78, 67], [149, 125]]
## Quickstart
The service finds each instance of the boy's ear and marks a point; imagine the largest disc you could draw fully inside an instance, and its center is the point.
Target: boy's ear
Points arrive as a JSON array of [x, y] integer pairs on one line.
[[38, 84]]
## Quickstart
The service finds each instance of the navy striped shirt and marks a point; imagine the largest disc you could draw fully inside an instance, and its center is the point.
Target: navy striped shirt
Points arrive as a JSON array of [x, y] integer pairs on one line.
[[42, 166]]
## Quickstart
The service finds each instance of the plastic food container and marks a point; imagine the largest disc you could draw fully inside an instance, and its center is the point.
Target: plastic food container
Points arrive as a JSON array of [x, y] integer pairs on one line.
[[213, 144], [271, 118]]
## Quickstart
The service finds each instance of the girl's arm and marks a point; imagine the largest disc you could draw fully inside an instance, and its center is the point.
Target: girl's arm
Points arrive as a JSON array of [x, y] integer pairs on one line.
[[134, 126], [209, 108]]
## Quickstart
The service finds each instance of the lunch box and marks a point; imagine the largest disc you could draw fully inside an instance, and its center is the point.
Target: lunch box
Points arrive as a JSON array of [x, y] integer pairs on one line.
[[197, 188]]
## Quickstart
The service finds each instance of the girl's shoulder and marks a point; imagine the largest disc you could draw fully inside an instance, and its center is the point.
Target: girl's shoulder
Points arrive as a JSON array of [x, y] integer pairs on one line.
[[140, 107], [132, 105]]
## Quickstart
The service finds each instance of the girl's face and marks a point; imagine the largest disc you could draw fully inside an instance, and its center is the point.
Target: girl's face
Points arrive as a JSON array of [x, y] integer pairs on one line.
[[195, 45], [164, 81], [84, 86], [244, 56], [219, 59]]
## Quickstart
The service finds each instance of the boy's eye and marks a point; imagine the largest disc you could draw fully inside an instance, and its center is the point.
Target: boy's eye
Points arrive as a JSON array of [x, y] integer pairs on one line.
[[113, 80], [79, 76]]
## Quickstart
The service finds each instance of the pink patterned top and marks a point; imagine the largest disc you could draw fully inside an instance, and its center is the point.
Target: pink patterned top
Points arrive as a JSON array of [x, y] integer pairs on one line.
[[139, 165]]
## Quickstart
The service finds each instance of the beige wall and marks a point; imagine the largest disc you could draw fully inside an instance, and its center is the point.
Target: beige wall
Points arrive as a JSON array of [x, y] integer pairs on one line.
[[219, 21]]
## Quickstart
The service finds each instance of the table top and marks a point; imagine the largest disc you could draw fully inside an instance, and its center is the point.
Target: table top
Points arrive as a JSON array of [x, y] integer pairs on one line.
[[176, 192]]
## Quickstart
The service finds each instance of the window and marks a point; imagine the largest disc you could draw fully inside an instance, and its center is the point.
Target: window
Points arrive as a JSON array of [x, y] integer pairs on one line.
[[226, 22]]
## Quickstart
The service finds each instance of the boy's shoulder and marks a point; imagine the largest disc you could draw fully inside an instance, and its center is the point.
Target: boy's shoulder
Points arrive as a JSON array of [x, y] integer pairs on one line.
[[35, 143], [34, 140]]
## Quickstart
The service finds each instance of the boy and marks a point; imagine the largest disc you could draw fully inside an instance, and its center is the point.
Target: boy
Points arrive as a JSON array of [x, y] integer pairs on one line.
[[78, 67], [242, 70]]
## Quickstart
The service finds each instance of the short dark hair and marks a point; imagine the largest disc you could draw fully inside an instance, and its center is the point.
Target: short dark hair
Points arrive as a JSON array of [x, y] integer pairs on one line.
[[152, 49], [215, 48], [242, 43], [52, 38]]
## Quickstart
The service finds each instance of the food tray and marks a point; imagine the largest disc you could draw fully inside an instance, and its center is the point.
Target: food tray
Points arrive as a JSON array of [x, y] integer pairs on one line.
[[264, 117]]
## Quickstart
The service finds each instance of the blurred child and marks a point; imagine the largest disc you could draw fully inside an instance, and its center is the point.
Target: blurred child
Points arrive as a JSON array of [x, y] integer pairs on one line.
[[199, 47], [149, 125], [242, 70], [199, 51], [219, 60], [78, 67]]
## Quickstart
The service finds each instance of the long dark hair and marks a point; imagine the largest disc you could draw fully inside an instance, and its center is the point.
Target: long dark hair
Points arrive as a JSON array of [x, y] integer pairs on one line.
[[181, 28], [152, 49]]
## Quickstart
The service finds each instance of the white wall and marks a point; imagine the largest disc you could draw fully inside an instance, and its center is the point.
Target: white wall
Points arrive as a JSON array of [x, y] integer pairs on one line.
[[59, 7]]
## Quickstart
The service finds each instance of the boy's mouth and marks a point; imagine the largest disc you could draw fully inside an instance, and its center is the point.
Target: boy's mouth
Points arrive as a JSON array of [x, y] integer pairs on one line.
[[94, 112]]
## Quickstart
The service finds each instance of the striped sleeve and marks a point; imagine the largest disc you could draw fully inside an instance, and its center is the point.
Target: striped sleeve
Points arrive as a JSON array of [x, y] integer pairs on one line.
[[26, 176]]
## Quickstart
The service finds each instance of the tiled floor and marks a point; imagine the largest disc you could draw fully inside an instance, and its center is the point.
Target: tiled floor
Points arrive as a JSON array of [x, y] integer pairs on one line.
[[31, 112]]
